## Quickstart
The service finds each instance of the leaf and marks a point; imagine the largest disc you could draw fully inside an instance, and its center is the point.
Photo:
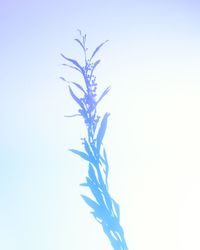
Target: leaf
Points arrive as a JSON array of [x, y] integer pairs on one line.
[[105, 156], [83, 113], [76, 98], [102, 131], [96, 63], [90, 154], [117, 209], [100, 215], [103, 94], [84, 184], [97, 49], [64, 64], [79, 86], [105, 161], [87, 82], [116, 244], [90, 202], [62, 78], [73, 61], [96, 192], [80, 43], [81, 154], [97, 217], [92, 175], [108, 200], [94, 66], [69, 116]]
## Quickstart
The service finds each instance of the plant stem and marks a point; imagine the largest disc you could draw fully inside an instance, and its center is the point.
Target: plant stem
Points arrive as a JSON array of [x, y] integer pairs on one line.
[[104, 208]]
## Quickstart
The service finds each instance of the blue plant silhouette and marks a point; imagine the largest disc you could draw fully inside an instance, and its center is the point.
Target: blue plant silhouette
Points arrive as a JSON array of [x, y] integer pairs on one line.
[[104, 208]]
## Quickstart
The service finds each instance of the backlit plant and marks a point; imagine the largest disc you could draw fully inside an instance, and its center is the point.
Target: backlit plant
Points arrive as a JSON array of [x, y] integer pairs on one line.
[[104, 208]]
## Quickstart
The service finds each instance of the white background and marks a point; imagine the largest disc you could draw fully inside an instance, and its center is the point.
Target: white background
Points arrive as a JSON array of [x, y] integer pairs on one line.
[[153, 138]]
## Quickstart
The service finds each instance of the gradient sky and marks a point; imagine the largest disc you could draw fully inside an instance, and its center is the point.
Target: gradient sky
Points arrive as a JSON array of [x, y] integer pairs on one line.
[[153, 138]]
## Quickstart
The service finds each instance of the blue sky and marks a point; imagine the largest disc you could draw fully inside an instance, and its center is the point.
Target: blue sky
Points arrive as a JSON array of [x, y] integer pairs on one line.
[[152, 64]]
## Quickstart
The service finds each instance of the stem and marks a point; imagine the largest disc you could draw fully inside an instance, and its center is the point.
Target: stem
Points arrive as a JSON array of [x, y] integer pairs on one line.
[[105, 209]]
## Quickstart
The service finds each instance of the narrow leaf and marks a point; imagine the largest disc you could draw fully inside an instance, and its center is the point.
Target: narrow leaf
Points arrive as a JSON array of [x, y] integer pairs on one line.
[[97, 49], [64, 64], [76, 98], [94, 66], [79, 86], [96, 63], [100, 215], [92, 175], [115, 244], [117, 209], [81, 154], [90, 154], [62, 78], [90, 202], [80, 43], [84, 184], [102, 130], [95, 191], [108, 200], [70, 116], [105, 161], [97, 217], [104, 93], [73, 61]]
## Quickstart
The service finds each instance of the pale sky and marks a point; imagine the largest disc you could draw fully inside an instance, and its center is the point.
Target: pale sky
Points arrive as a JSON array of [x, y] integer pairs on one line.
[[153, 139]]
